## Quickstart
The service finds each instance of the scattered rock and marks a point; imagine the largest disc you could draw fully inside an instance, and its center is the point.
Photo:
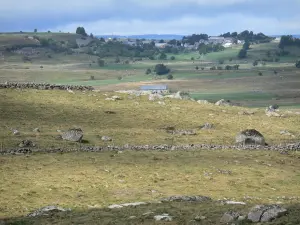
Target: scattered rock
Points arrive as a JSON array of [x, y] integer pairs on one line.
[[115, 97], [234, 203], [229, 172], [163, 217], [106, 138], [132, 217], [205, 102], [223, 102], [265, 213], [36, 130], [273, 114], [153, 97], [182, 132], [250, 137], [186, 199], [16, 132], [161, 103], [26, 143], [75, 135], [207, 126], [45, 211], [229, 217], [126, 205], [285, 132], [199, 218]]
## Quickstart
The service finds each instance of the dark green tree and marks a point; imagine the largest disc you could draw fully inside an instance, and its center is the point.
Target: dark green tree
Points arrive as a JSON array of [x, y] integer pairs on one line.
[[170, 77], [81, 30], [100, 62], [35, 30], [161, 69], [242, 54], [246, 45], [162, 56]]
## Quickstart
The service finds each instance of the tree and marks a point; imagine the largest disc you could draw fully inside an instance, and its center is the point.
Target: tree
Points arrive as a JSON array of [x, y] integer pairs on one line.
[[81, 30], [35, 30], [100, 62], [242, 54], [161, 69], [117, 60], [246, 45], [298, 64], [255, 63], [170, 77], [197, 67], [162, 56]]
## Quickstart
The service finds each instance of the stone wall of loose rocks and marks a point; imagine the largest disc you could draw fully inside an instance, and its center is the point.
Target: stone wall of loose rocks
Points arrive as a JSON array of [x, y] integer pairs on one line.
[[44, 86], [280, 148]]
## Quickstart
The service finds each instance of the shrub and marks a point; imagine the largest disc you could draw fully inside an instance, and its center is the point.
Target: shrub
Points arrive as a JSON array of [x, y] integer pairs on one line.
[[213, 68], [120, 78], [219, 67], [202, 68], [260, 73], [172, 58], [255, 63], [100, 62], [221, 61], [298, 64], [41, 67], [275, 72], [170, 77], [92, 77], [148, 71], [197, 68], [192, 58], [117, 60], [161, 69]]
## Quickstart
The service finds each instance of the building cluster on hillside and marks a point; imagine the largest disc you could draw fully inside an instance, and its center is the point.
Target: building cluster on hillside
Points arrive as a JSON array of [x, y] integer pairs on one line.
[[226, 42]]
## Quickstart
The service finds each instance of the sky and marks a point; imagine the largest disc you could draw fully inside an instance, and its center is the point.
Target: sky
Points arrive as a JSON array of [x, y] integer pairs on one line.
[[128, 17]]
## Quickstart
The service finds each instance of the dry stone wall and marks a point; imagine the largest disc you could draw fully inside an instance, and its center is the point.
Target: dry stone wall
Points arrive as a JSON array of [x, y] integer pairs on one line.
[[44, 86]]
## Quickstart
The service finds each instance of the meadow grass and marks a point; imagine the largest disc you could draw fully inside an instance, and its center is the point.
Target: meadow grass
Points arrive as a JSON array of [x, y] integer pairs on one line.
[[84, 180]]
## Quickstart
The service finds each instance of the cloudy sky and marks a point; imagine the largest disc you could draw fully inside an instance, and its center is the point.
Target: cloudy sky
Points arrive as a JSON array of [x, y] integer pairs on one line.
[[127, 17]]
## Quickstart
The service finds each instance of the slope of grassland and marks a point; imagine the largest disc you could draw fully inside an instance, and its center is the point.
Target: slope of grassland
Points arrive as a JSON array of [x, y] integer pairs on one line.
[[136, 120], [84, 180]]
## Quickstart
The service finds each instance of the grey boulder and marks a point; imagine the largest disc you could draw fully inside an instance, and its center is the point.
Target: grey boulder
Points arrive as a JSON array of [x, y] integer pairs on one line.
[[265, 213], [44, 211], [74, 135], [250, 137]]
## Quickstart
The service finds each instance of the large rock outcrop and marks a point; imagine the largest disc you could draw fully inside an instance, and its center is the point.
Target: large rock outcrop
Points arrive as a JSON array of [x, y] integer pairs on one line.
[[250, 137]]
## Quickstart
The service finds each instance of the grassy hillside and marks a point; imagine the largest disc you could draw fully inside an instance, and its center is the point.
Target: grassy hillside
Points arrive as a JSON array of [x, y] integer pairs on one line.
[[137, 120]]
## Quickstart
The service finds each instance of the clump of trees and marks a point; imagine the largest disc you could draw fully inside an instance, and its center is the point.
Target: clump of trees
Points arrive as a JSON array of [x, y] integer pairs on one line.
[[288, 40], [234, 67], [81, 30], [192, 39], [204, 49], [249, 36], [161, 69]]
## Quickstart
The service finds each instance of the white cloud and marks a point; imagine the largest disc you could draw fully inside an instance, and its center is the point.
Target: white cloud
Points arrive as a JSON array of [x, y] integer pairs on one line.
[[189, 25]]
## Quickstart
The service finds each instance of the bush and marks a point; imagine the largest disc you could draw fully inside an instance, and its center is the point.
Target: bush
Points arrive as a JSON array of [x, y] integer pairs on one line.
[[221, 61], [117, 60], [213, 68], [298, 64], [172, 58], [100, 62], [275, 72], [202, 68], [170, 77], [197, 68], [41, 67], [255, 63], [260, 73], [148, 71], [162, 56], [120, 78], [192, 58], [220, 68], [92, 77], [161, 69]]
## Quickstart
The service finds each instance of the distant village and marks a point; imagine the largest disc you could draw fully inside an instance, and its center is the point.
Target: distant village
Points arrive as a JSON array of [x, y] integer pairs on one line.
[[225, 42]]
